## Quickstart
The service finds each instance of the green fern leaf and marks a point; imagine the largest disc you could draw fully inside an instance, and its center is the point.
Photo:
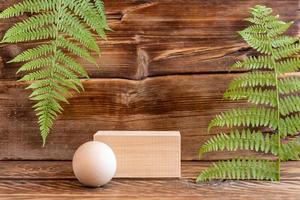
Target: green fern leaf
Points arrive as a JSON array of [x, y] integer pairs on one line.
[[261, 11], [88, 13], [289, 85], [263, 21], [31, 6], [283, 41], [242, 169], [259, 62], [289, 104], [81, 36], [243, 140], [254, 117], [30, 24], [258, 42], [38, 34], [101, 10], [287, 51], [290, 150], [276, 28], [257, 96], [36, 64], [288, 65], [73, 48], [253, 79], [67, 26], [72, 64], [34, 53], [275, 99], [290, 125], [37, 75], [73, 27]]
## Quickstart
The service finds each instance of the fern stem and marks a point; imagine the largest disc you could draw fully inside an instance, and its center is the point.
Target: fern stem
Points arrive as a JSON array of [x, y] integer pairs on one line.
[[54, 60], [278, 115]]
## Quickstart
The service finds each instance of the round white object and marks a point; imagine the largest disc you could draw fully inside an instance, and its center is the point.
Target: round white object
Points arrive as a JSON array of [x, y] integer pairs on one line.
[[94, 164]]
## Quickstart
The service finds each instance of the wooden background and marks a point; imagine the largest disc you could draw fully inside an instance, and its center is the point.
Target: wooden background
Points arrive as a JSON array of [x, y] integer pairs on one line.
[[164, 67]]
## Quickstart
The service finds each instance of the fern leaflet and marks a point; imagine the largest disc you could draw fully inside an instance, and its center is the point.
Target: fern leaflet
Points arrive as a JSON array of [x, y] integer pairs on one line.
[[241, 169]]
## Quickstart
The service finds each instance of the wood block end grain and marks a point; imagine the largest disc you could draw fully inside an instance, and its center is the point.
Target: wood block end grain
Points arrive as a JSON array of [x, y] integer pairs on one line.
[[144, 154]]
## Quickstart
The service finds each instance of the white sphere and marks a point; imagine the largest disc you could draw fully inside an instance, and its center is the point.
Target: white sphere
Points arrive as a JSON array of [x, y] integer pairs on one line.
[[94, 163]]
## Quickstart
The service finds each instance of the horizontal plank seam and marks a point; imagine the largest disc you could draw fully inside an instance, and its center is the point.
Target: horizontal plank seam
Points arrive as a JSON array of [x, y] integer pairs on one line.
[[151, 77], [143, 179]]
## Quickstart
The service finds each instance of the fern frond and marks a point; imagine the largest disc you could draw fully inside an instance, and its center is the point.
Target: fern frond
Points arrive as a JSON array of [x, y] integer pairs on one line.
[[255, 117], [270, 88], [243, 140], [289, 104], [241, 169], [259, 62], [256, 95], [253, 79], [53, 74]]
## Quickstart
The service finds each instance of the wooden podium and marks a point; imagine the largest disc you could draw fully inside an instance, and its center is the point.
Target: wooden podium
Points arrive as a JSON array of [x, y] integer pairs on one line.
[[144, 154]]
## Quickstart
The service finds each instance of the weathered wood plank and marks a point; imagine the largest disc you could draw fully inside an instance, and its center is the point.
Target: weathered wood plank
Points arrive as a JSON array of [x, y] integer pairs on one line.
[[167, 37], [145, 189], [144, 154], [61, 170], [48, 180], [116, 60], [185, 103]]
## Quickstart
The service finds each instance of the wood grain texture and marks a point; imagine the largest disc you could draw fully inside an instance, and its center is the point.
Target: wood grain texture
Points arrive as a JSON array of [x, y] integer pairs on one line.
[[164, 68], [144, 154], [55, 180], [186, 103], [164, 37]]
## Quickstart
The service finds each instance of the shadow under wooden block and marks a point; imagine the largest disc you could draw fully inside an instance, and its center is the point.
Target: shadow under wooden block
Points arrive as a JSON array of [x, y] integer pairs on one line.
[[144, 154]]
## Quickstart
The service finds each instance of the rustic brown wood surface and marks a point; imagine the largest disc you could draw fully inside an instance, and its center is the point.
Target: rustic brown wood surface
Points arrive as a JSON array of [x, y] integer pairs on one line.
[[165, 67], [55, 180], [185, 102], [163, 37]]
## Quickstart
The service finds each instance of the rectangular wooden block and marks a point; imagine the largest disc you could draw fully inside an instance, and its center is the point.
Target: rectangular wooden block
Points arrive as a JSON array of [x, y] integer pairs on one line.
[[144, 154]]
